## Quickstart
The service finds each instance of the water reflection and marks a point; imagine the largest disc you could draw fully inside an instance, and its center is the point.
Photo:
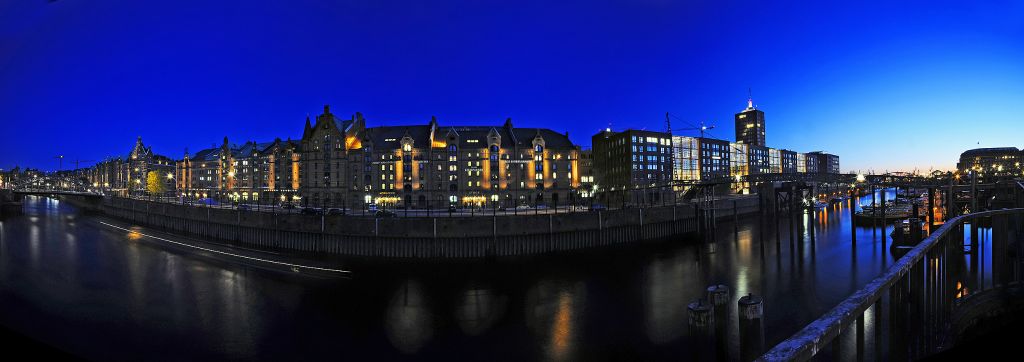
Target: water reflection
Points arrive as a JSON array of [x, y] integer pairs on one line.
[[478, 309], [665, 289], [622, 303], [409, 322], [553, 311]]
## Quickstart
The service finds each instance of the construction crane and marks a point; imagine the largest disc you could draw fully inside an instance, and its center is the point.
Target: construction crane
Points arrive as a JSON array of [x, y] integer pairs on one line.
[[701, 128], [81, 161]]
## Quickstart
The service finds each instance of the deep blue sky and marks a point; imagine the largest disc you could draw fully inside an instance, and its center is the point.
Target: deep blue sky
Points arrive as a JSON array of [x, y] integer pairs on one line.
[[885, 86]]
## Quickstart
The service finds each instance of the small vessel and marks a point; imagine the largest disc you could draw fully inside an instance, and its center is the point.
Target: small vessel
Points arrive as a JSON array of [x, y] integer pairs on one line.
[[906, 235], [890, 213], [909, 231]]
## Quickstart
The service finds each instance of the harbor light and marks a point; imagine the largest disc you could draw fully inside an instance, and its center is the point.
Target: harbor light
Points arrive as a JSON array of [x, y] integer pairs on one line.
[[860, 177]]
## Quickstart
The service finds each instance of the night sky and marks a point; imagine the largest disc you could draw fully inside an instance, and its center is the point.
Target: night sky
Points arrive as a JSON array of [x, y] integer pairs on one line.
[[884, 86]]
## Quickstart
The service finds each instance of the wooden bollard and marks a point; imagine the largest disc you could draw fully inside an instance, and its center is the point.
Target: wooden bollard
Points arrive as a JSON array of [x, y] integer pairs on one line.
[[751, 326], [701, 318], [718, 297]]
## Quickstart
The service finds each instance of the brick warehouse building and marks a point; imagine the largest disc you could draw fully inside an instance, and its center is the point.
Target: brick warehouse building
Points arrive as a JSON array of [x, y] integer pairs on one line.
[[262, 172], [434, 166]]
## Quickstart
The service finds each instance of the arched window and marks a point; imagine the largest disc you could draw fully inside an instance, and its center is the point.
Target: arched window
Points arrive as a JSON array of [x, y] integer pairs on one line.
[[538, 148]]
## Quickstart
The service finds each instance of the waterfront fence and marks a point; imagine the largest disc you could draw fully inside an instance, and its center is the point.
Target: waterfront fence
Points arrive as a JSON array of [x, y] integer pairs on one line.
[[421, 237]]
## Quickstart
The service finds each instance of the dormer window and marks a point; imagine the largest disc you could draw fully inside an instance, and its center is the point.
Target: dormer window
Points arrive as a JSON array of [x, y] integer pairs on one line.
[[407, 147]]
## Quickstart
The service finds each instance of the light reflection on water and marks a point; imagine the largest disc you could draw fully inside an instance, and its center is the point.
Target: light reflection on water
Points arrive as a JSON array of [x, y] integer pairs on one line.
[[553, 311], [409, 319], [621, 303], [479, 309]]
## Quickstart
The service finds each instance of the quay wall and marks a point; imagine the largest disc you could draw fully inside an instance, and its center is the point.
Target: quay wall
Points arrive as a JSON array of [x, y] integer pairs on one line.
[[420, 237]]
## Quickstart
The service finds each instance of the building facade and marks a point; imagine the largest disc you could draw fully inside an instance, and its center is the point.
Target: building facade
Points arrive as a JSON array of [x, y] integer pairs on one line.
[[346, 164], [788, 160], [587, 187], [826, 162], [266, 172], [633, 166], [750, 126], [1001, 162], [139, 163], [703, 159]]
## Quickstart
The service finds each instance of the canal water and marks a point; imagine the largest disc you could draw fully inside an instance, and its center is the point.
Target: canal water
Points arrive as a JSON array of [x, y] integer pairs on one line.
[[97, 292]]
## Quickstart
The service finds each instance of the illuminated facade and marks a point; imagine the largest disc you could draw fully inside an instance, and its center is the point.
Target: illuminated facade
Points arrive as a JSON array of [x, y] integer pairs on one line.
[[251, 172], [633, 166], [788, 161], [325, 156], [759, 160], [826, 162], [433, 166], [810, 162], [750, 126], [587, 187], [140, 161], [697, 158], [109, 175], [994, 162]]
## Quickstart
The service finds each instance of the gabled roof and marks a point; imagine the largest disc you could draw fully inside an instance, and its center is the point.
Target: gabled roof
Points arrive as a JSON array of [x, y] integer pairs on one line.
[[510, 138], [391, 136], [249, 148], [209, 154]]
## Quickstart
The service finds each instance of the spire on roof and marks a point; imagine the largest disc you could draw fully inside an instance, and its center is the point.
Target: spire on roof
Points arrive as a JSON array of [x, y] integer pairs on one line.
[[750, 99], [309, 129]]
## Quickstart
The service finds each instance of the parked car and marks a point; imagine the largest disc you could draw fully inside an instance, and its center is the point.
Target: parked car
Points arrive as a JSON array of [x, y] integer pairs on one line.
[[523, 207], [452, 208], [287, 206], [385, 213], [207, 201], [335, 211], [310, 211], [372, 207], [244, 207], [598, 207]]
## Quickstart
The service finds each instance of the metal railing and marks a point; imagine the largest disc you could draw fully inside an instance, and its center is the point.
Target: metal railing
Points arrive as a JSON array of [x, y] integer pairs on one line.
[[912, 305]]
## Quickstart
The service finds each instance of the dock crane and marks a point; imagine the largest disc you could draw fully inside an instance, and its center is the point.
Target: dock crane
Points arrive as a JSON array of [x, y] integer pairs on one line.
[[60, 162], [81, 161], [701, 128]]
